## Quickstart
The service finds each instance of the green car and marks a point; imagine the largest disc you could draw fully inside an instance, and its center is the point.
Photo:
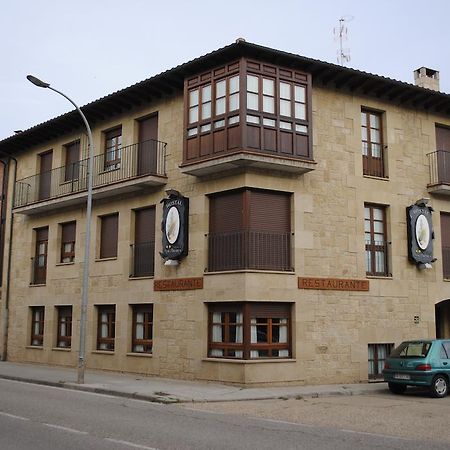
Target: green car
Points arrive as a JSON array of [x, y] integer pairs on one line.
[[419, 363]]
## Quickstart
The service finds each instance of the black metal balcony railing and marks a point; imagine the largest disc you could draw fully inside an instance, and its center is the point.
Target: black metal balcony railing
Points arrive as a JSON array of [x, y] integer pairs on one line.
[[439, 167], [446, 262], [137, 160], [38, 270], [142, 260], [249, 250]]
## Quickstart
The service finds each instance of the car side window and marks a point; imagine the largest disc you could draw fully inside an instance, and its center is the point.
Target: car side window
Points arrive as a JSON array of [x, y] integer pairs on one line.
[[445, 352]]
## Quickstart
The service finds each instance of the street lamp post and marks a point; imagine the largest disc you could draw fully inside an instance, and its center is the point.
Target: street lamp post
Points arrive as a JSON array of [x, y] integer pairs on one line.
[[85, 288]]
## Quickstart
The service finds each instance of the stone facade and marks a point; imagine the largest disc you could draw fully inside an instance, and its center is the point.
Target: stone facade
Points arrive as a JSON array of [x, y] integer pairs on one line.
[[331, 330]]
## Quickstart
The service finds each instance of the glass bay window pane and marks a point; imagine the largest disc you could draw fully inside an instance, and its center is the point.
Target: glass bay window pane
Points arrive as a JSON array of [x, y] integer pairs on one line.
[[234, 102], [234, 84], [268, 87], [268, 104], [206, 93], [285, 108], [285, 91], [300, 111], [300, 94], [193, 97], [252, 83], [220, 106], [252, 101], [220, 89]]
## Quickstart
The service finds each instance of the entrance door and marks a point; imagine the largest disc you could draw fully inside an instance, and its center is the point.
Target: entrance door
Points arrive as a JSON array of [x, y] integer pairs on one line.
[[45, 175], [148, 146]]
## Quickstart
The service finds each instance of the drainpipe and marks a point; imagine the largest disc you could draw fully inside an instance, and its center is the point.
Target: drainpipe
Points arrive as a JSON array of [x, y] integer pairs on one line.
[[5, 315]]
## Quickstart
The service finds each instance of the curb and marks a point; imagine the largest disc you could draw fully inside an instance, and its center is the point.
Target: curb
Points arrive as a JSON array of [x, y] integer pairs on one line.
[[168, 399]]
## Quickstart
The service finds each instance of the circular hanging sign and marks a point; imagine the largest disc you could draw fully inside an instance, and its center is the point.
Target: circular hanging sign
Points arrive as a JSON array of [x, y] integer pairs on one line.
[[172, 225], [422, 232]]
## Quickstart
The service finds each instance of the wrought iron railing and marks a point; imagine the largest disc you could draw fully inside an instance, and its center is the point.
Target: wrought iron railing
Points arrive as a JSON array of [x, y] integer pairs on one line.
[[142, 259], [137, 160], [446, 262], [439, 162], [249, 250], [38, 270]]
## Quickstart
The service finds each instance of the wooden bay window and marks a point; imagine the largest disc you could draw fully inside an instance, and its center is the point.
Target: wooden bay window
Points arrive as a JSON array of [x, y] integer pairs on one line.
[[249, 330]]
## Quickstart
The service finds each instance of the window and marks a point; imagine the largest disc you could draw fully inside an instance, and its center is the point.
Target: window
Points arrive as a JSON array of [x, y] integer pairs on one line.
[[142, 339], [113, 148], [445, 243], [202, 110], [106, 327], [72, 161], [143, 249], [37, 326], [40, 258], [376, 244], [108, 236], [249, 330], [64, 334], [372, 143], [68, 242], [250, 229], [377, 355]]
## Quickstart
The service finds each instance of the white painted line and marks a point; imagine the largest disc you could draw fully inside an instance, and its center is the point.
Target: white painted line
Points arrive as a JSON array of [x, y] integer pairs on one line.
[[12, 416], [385, 436], [59, 427], [130, 444], [285, 422]]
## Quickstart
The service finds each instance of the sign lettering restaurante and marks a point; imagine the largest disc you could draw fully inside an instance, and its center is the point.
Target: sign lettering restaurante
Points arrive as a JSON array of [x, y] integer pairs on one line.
[[333, 284], [178, 284]]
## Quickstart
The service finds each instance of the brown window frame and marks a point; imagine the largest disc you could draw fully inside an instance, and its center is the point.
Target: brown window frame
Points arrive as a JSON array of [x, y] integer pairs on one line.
[[113, 148], [37, 324], [106, 341], [146, 342], [373, 247], [372, 165], [106, 250], [376, 363], [243, 347], [68, 256], [64, 340], [39, 270]]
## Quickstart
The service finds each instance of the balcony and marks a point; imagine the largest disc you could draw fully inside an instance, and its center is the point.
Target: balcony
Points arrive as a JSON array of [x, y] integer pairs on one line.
[[439, 162], [142, 260], [249, 250], [128, 169]]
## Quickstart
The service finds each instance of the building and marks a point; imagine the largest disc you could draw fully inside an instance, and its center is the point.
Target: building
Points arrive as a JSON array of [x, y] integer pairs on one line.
[[298, 175]]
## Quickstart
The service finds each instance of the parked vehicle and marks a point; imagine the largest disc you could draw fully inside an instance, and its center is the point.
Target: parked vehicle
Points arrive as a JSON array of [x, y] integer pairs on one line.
[[419, 363]]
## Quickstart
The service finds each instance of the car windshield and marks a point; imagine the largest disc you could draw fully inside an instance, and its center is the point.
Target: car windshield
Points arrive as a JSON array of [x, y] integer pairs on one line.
[[411, 350]]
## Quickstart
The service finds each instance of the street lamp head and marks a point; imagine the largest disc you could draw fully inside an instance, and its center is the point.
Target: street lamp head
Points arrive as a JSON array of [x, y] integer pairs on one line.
[[37, 81]]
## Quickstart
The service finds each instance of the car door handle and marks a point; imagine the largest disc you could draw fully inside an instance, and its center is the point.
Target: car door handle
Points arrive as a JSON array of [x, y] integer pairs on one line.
[[445, 363]]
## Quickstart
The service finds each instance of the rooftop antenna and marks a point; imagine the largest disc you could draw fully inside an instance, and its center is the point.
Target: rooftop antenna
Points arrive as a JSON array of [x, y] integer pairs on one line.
[[341, 33]]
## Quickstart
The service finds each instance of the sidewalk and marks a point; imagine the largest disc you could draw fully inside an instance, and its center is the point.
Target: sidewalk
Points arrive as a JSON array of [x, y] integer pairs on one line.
[[166, 390]]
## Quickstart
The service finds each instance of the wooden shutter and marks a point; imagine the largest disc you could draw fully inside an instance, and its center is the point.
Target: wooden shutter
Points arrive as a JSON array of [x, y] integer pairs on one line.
[[269, 211], [72, 161], [445, 243], [108, 240], [442, 138], [144, 225], [68, 232], [42, 234], [226, 212], [270, 309]]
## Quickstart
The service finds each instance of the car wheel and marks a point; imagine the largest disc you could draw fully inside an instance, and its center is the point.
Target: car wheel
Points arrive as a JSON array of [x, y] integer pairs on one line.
[[397, 388], [439, 386]]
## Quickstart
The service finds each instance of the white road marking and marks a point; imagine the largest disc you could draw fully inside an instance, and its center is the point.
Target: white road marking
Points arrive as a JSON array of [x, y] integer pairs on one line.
[[130, 444], [59, 427], [285, 422], [385, 436], [12, 416]]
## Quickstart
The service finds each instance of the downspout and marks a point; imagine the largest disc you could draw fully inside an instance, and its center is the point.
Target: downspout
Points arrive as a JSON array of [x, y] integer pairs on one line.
[[5, 315]]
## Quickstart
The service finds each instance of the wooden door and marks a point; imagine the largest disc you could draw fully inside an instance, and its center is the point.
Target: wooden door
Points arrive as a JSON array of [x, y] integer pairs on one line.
[[148, 146], [45, 175]]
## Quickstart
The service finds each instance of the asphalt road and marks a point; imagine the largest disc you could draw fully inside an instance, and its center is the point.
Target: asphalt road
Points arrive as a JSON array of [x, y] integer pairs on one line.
[[39, 417]]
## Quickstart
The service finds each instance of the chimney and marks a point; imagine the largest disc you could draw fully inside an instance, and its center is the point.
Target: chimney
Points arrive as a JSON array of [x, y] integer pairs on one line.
[[427, 78]]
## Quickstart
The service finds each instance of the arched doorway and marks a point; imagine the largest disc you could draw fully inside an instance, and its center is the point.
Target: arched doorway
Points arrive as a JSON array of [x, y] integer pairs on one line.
[[442, 314]]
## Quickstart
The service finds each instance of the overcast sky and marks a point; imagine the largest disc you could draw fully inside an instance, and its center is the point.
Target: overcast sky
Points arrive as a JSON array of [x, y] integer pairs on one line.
[[91, 48]]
